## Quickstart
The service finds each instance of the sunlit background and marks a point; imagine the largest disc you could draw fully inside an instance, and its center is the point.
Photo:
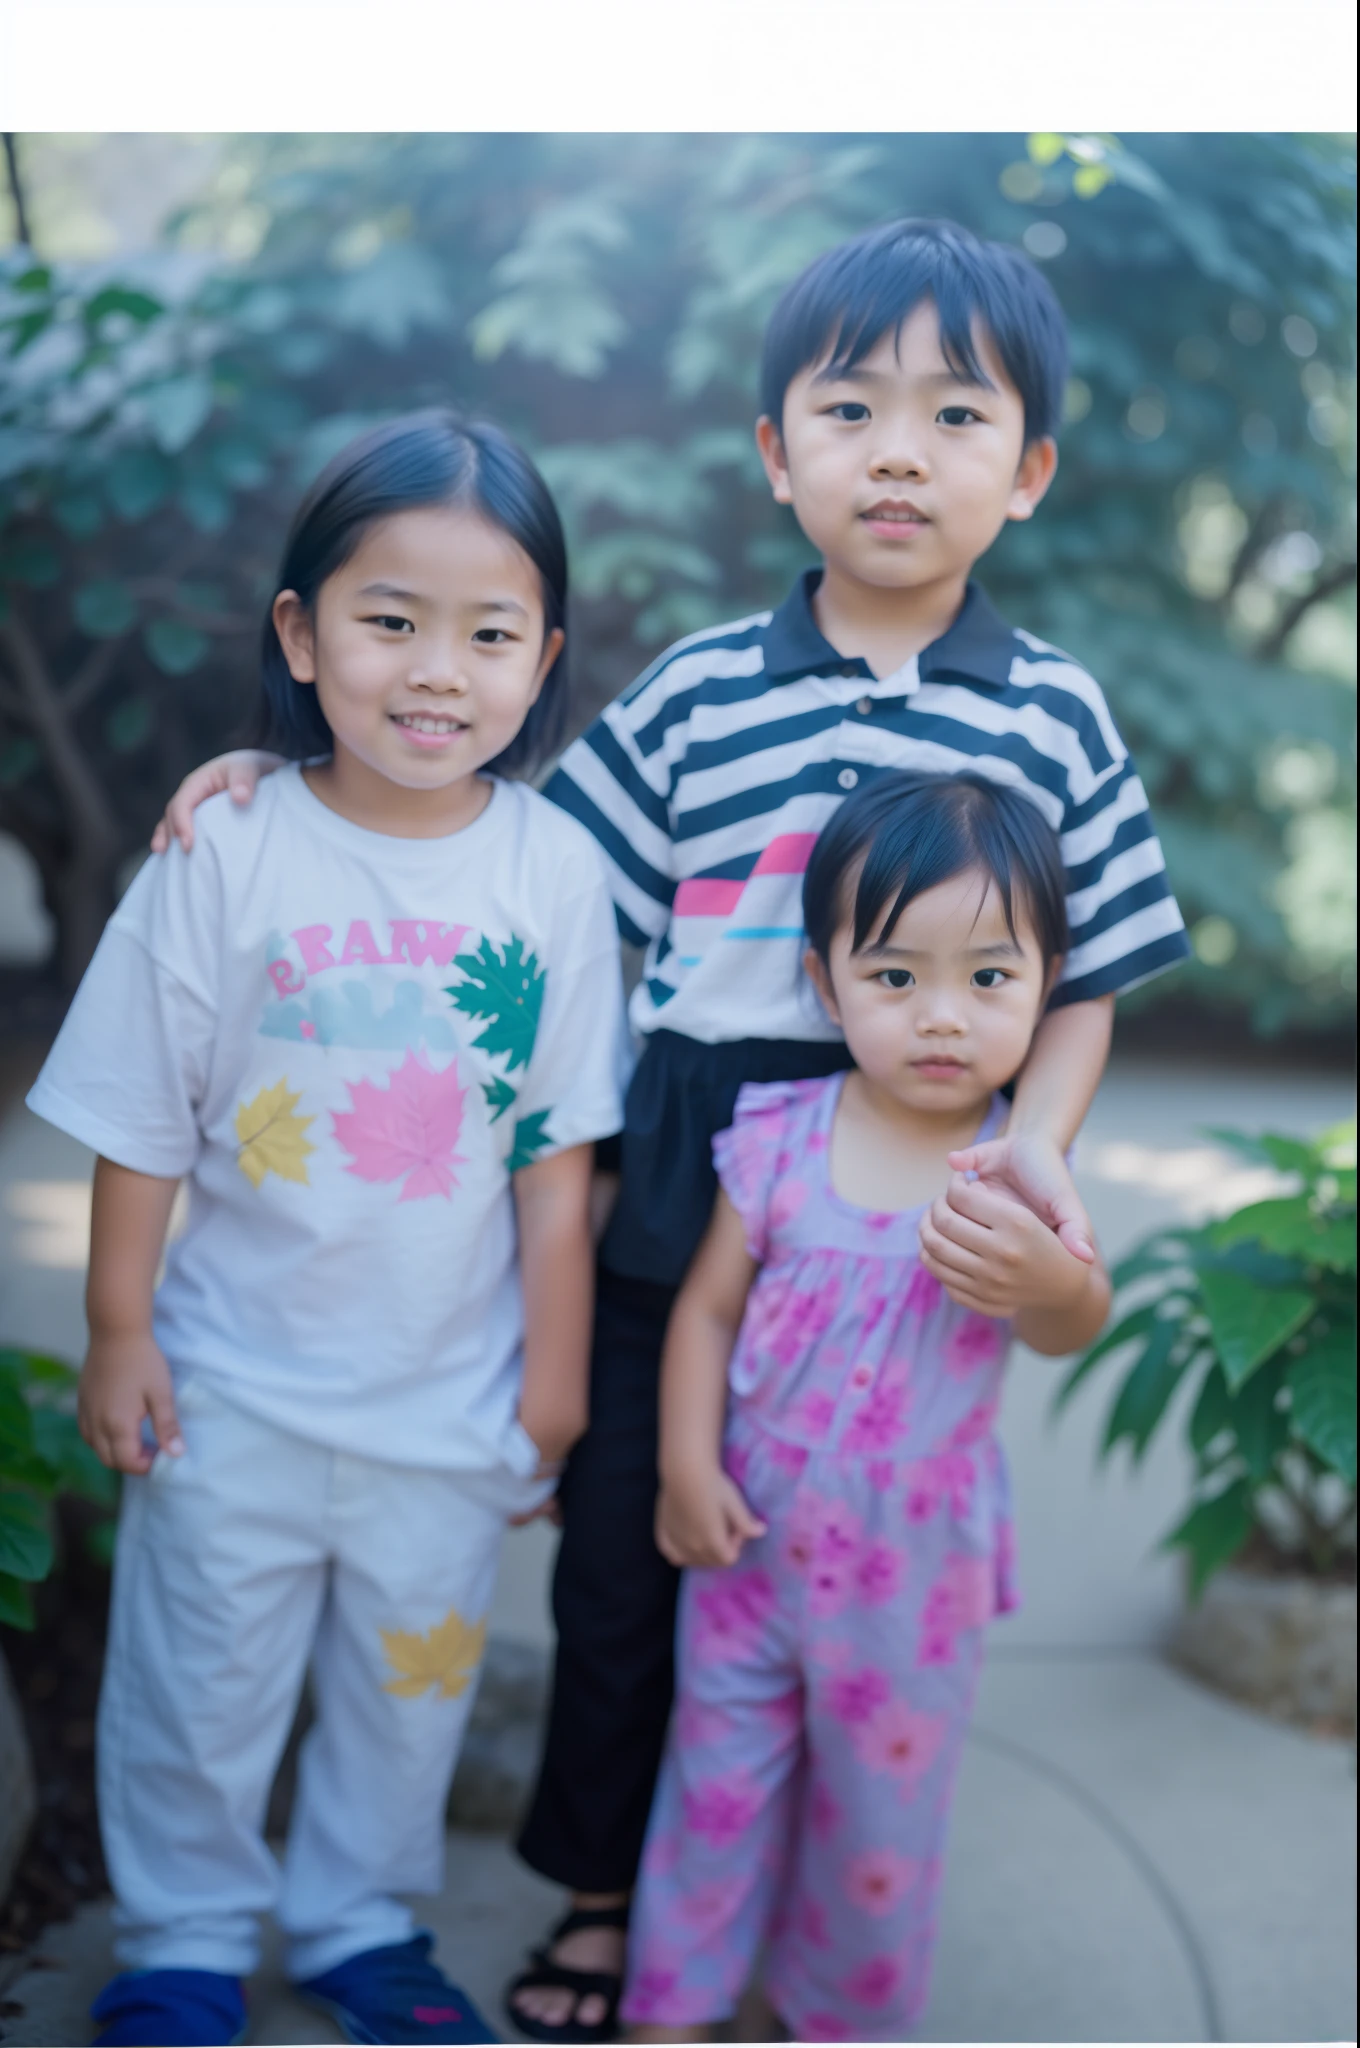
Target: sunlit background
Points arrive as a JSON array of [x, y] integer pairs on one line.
[[189, 325]]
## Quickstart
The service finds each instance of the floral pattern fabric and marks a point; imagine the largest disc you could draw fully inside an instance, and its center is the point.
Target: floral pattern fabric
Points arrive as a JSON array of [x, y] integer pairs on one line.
[[825, 1681]]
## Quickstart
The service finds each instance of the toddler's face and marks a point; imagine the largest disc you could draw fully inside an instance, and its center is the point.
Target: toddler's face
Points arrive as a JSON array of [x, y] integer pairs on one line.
[[427, 647], [940, 1010], [899, 473]]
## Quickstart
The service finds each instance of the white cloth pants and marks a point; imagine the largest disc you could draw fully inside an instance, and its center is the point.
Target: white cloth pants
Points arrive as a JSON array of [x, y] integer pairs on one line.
[[237, 1564]]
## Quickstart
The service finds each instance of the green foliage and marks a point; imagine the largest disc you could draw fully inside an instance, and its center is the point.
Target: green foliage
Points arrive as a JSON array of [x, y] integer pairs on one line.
[[505, 987], [605, 297], [1257, 1312], [42, 1454]]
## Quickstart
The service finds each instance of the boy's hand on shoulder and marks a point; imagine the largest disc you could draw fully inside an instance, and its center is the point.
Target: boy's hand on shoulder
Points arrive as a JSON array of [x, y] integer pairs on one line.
[[240, 772], [702, 1519], [1030, 1166], [992, 1254], [124, 1382]]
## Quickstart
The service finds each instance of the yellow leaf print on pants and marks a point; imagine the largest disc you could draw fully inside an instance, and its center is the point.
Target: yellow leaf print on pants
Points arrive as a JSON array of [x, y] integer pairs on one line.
[[446, 1658], [272, 1138]]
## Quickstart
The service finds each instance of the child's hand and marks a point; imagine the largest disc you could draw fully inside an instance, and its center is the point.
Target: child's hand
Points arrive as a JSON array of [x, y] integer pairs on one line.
[[239, 772], [125, 1380], [992, 1254], [702, 1519], [1031, 1166]]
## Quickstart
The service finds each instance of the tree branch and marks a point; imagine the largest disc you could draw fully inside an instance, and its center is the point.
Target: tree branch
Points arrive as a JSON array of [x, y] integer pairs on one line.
[[16, 192], [90, 815], [91, 676], [1264, 527], [1327, 583]]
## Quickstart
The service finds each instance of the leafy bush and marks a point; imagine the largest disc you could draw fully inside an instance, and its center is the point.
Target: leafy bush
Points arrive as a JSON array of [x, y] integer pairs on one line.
[[1258, 1309], [42, 1454], [604, 296]]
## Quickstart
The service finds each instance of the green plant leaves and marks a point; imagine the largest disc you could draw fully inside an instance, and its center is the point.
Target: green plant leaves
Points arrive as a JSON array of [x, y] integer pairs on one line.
[[1290, 1226], [105, 608], [25, 1539], [1212, 1532], [1250, 1322], [1322, 1398], [175, 648], [177, 409], [1143, 1398]]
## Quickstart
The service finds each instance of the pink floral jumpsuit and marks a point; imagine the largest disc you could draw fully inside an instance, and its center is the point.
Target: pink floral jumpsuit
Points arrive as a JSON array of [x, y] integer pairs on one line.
[[826, 1680]]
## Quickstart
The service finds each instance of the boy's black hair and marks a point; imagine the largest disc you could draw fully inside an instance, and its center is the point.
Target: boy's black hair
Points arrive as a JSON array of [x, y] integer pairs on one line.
[[425, 458], [911, 832], [849, 298]]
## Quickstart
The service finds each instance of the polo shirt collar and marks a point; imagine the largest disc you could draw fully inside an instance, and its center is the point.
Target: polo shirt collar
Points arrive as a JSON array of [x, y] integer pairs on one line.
[[979, 646]]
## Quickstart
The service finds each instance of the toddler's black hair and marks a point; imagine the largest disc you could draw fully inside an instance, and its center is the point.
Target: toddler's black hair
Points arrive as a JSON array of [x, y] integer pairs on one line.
[[908, 832], [424, 458], [848, 299]]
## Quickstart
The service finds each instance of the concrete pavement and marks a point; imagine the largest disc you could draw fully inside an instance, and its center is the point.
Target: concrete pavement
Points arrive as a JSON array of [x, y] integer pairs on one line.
[[1134, 1859]]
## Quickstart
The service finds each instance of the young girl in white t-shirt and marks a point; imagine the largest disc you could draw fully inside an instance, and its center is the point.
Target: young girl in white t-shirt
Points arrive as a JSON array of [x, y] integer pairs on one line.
[[375, 1021]]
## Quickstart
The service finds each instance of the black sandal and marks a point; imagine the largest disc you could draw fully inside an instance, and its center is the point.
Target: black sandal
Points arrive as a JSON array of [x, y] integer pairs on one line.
[[548, 1975]]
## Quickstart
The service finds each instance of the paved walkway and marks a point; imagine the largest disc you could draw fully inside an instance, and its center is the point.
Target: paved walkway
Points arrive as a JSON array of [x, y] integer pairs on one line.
[[1133, 1858]]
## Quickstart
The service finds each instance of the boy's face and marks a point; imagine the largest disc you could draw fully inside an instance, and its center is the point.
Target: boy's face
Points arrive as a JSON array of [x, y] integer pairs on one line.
[[900, 473]]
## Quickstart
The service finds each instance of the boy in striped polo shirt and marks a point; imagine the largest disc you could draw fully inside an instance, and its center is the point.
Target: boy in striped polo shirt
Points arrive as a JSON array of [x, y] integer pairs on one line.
[[912, 386]]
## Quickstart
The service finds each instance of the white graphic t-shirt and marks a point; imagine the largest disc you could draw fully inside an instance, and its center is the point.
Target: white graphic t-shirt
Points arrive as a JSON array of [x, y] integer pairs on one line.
[[348, 1043]]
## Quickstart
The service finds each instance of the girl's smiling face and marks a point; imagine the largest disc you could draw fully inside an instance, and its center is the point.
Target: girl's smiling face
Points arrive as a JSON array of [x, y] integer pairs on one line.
[[939, 1011], [427, 649]]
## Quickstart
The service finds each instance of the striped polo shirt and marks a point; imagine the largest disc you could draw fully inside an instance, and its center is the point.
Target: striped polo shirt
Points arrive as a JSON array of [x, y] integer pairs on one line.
[[707, 782]]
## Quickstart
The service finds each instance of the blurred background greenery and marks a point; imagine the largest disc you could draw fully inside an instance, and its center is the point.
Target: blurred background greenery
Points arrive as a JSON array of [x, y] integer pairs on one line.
[[189, 326]]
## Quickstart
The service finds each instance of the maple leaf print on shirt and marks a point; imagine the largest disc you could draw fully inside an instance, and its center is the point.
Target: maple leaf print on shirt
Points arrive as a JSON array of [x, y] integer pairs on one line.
[[505, 988], [531, 1135], [272, 1138], [407, 1130], [444, 1659]]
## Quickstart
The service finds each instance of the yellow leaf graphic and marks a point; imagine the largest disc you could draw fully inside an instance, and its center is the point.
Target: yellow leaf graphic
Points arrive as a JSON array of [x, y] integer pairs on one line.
[[446, 1658], [273, 1139]]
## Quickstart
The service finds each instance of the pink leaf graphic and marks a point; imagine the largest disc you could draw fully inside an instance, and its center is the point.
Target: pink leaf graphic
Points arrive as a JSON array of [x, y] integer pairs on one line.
[[408, 1128]]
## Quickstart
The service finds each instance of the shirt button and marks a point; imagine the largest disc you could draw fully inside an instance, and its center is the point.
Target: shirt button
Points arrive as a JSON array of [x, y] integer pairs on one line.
[[850, 668], [865, 706], [861, 1376], [847, 778]]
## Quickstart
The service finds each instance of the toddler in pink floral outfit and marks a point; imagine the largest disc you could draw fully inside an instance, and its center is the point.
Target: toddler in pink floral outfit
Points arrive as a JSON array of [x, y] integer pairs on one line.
[[830, 1472]]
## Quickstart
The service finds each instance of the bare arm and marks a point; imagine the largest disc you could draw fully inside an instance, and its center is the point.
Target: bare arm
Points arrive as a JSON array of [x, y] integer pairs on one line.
[[125, 1377], [557, 1265], [1056, 1088], [702, 1518]]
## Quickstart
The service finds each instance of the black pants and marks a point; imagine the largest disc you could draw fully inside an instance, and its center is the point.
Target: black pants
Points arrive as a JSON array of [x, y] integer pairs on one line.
[[614, 1607], [613, 1593]]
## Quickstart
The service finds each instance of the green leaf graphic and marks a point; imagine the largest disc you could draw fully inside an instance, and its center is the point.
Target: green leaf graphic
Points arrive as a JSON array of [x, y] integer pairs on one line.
[[531, 1135], [506, 989], [500, 1096]]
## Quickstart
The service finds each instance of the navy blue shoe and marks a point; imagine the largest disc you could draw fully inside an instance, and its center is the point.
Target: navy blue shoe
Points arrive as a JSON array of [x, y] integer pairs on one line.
[[395, 1996], [170, 2009]]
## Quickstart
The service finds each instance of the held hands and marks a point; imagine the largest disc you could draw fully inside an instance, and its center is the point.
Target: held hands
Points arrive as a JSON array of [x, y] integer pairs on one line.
[[992, 1254], [702, 1518], [125, 1380], [1031, 1167], [239, 772]]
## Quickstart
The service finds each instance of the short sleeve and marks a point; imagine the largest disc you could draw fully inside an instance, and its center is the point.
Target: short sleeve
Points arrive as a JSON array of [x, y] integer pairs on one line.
[[750, 1155], [1124, 923], [129, 1068], [573, 1090]]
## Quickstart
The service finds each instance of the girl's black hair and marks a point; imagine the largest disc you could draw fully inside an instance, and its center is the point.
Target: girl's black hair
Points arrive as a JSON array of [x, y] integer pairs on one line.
[[913, 831], [425, 458]]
